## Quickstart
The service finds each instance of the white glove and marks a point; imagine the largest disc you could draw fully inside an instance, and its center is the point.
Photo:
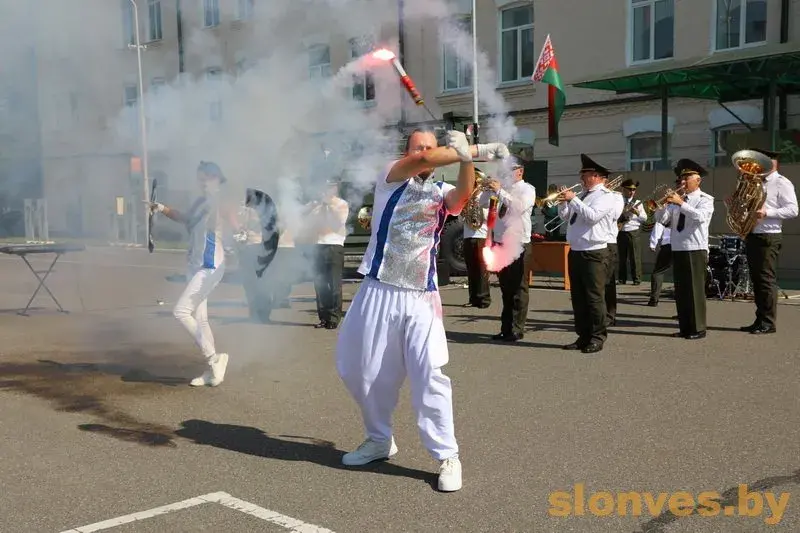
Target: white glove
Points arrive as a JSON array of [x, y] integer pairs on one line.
[[493, 151], [458, 142], [154, 206]]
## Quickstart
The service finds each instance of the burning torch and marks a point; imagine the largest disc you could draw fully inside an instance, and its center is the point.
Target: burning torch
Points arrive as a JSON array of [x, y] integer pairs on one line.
[[387, 55], [488, 253]]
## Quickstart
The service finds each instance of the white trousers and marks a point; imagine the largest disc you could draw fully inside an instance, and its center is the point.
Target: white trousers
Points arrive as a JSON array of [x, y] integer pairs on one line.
[[191, 308], [388, 333]]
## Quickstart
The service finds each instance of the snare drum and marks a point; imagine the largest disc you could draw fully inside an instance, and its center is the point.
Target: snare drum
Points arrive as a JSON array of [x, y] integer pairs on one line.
[[731, 244]]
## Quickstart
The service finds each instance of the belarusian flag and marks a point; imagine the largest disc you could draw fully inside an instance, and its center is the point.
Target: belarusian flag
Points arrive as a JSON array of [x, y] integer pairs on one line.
[[547, 72]]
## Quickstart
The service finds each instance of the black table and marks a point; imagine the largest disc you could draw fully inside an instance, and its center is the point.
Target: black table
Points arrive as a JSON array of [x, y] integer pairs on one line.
[[23, 250]]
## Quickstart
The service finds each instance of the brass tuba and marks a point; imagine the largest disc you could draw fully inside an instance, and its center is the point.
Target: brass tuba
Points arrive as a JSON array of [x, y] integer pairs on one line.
[[472, 214], [749, 195]]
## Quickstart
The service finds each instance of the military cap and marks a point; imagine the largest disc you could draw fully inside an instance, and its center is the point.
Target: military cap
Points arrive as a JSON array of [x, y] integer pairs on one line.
[[588, 165], [684, 167]]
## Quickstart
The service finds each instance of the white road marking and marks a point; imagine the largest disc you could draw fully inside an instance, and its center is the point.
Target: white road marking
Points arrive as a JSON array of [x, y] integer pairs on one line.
[[221, 498]]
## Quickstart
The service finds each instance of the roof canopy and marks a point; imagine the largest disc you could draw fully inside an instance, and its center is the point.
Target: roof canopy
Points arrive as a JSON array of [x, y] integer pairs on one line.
[[743, 74]]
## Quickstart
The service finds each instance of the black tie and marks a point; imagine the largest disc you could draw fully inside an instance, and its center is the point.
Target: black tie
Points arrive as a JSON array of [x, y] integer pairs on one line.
[[682, 218], [575, 215]]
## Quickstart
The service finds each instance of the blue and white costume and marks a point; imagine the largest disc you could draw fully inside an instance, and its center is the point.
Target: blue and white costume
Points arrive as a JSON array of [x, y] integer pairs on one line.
[[206, 267], [394, 326]]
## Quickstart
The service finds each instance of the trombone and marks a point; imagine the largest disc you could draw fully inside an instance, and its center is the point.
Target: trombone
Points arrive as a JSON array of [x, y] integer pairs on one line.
[[551, 200], [662, 192]]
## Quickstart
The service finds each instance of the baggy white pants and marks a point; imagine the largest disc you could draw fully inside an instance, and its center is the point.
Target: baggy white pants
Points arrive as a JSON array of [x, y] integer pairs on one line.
[[388, 333], [191, 308]]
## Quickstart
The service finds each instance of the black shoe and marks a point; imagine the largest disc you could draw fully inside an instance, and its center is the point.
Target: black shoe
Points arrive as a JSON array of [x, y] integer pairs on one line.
[[695, 336], [322, 324], [508, 337], [679, 335], [592, 347], [331, 325], [750, 328], [621, 282], [484, 305], [763, 330], [577, 345], [653, 303], [612, 322]]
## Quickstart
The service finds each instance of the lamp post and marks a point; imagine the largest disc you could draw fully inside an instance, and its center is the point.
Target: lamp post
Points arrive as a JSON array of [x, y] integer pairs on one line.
[[142, 122], [474, 72]]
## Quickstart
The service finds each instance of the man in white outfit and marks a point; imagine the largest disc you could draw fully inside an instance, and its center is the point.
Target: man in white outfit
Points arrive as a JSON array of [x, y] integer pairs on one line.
[[205, 221], [394, 326]]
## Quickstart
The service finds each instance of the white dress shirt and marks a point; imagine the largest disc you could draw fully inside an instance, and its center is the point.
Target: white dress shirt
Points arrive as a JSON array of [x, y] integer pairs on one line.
[[519, 200], [480, 233], [620, 206], [638, 216], [331, 221], [781, 204], [697, 210], [659, 233], [594, 221]]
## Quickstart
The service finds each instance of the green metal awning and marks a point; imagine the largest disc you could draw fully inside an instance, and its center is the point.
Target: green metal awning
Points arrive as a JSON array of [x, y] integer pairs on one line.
[[743, 74]]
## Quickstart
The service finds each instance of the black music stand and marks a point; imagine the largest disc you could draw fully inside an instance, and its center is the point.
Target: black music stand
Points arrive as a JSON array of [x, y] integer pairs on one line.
[[23, 250]]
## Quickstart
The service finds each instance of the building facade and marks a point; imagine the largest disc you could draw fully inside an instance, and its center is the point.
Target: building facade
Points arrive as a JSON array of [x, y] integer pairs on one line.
[[84, 99]]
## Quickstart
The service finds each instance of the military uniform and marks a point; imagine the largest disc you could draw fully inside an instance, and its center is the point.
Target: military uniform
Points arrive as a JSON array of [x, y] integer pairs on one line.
[[514, 223], [590, 225], [763, 247], [628, 241], [613, 264], [688, 224]]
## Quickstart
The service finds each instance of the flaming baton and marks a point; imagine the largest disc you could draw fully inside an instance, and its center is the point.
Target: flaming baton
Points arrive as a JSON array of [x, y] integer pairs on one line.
[[488, 254], [387, 55]]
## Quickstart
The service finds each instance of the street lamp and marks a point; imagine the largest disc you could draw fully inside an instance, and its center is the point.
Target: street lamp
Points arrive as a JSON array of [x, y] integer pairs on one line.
[[142, 123], [475, 71]]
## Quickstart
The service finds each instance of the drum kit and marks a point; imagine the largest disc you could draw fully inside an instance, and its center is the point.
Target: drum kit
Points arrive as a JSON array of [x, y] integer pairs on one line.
[[728, 272]]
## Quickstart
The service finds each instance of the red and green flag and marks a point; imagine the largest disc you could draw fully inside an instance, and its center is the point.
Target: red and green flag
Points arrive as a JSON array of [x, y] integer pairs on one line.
[[547, 72]]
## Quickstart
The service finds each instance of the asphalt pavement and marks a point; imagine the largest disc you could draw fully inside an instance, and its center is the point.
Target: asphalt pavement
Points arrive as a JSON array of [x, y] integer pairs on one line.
[[100, 431]]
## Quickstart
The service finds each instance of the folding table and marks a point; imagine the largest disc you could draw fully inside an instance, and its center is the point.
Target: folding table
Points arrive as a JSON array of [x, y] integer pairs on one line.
[[23, 250]]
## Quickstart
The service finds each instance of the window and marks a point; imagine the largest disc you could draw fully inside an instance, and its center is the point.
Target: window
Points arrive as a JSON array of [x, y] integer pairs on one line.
[[214, 77], [363, 84], [516, 43], [723, 146], [210, 13], [154, 10], [128, 27], [131, 102], [740, 23], [644, 152], [244, 9], [319, 61], [652, 29], [457, 72]]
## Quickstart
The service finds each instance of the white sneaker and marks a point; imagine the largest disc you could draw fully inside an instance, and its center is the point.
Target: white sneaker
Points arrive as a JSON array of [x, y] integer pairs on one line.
[[450, 474], [369, 451], [215, 375]]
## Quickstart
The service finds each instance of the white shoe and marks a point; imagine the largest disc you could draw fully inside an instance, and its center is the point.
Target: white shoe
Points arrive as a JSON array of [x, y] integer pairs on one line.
[[369, 451], [215, 375], [450, 474]]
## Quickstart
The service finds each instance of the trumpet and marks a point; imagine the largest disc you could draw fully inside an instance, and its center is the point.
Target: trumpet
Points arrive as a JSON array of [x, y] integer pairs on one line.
[[555, 198], [662, 192]]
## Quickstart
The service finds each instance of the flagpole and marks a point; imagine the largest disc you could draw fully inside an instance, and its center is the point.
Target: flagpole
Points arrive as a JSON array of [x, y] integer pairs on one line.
[[475, 71]]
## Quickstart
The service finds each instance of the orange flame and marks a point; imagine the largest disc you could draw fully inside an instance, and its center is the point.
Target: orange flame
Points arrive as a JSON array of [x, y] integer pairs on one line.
[[383, 54], [488, 258]]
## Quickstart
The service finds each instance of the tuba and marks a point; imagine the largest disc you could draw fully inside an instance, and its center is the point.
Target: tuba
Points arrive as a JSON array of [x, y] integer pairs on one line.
[[749, 195], [472, 213]]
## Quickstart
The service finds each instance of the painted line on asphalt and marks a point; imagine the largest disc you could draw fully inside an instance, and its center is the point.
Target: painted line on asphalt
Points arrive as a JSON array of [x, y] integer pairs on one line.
[[221, 498]]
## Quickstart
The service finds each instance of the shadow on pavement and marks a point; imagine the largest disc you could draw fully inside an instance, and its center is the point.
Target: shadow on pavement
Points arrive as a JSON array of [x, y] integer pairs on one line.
[[253, 441], [728, 498]]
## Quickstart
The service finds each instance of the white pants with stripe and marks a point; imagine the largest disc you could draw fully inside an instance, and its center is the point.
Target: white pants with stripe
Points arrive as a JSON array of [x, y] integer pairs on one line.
[[191, 308], [388, 333]]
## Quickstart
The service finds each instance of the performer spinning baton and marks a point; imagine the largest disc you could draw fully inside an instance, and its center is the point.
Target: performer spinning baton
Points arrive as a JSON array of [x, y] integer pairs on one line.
[[394, 325], [205, 221]]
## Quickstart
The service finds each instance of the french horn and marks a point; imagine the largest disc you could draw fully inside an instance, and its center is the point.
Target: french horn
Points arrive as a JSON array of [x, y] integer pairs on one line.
[[472, 214]]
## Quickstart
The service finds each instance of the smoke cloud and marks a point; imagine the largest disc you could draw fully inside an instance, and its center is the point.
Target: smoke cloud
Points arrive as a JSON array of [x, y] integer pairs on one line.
[[276, 125]]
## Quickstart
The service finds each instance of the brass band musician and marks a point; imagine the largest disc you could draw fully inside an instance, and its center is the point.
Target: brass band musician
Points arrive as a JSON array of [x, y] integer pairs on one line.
[[590, 225], [763, 245], [628, 241], [688, 218]]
